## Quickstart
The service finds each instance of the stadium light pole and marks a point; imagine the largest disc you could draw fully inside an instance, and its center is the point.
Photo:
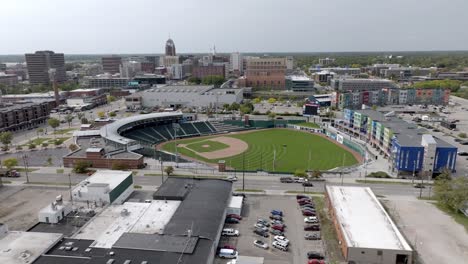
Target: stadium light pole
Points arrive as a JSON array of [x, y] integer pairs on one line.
[[243, 171]]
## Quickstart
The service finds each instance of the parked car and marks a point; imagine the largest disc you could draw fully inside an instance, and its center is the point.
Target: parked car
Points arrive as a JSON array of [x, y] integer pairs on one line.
[[312, 236], [263, 222], [282, 239], [316, 261], [276, 217], [308, 209], [261, 227], [9, 173], [228, 247], [276, 232], [231, 221], [311, 220], [261, 233], [303, 199], [286, 180], [308, 206], [304, 202], [277, 212], [232, 178], [260, 244], [311, 228], [280, 246], [308, 213], [298, 179], [277, 222], [307, 184], [238, 217], [228, 253], [230, 232], [314, 255], [300, 196], [462, 153], [278, 227]]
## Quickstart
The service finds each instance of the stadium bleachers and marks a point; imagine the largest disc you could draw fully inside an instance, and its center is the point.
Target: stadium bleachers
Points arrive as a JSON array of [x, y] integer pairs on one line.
[[160, 133], [221, 126]]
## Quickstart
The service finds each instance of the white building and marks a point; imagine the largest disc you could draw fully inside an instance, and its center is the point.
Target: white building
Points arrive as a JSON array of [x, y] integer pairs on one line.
[[235, 63], [289, 63], [197, 96], [53, 213], [18, 247], [365, 231], [129, 69], [430, 146], [105, 187], [176, 72]]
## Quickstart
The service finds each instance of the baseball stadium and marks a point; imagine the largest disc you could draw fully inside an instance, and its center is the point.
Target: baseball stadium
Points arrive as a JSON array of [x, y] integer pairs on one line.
[[267, 145]]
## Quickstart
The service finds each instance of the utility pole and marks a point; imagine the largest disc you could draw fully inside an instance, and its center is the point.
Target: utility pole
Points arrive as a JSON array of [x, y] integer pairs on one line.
[[162, 170], [175, 142], [26, 167], [70, 188], [421, 187]]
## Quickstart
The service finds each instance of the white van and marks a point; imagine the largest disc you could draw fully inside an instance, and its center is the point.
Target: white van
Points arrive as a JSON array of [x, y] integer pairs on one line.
[[230, 232], [228, 253], [280, 246]]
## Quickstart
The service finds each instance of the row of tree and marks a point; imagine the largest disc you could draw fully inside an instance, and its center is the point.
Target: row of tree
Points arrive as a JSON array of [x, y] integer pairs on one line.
[[216, 80], [451, 192]]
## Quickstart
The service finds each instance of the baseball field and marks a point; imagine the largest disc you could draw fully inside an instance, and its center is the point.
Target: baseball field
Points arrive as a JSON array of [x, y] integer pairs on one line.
[[281, 150]]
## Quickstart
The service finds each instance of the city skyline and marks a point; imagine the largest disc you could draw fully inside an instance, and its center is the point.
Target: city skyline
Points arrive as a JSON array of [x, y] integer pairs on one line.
[[103, 27]]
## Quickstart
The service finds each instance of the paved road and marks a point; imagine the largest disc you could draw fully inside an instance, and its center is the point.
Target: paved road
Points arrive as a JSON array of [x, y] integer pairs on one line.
[[251, 182]]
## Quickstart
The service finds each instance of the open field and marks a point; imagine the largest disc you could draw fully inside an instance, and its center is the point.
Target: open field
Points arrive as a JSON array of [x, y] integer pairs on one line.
[[206, 146], [282, 150]]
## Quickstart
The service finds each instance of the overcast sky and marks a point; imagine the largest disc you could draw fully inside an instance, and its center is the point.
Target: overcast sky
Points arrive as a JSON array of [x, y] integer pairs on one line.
[[143, 26]]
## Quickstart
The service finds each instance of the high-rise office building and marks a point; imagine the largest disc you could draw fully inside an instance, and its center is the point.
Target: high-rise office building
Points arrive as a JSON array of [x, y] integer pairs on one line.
[[266, 72], [41, 62], [170, 48], [111, 64], [236, 63]]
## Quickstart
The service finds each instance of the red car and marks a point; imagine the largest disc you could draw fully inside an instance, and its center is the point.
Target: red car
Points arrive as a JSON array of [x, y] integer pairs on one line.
[[312, 228], [278, 227], [308, 213], [238, 217], [316, 261], [300, 196], [229, 247]]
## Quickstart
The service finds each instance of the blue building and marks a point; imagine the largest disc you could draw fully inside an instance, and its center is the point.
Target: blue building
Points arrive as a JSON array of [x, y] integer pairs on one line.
[[409, 148]]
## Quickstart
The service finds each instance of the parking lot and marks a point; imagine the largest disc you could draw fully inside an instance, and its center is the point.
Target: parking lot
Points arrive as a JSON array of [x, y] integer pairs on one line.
[[257, 206]]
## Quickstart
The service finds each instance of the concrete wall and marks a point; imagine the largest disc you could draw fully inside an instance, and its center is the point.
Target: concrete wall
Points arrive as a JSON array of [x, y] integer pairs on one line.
[[372, 255], [104, 163]]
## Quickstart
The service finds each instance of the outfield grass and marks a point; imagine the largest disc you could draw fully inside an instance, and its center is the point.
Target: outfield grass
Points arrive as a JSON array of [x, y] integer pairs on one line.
[[64, 131], [308, 124], [292, 150], [211, 146]]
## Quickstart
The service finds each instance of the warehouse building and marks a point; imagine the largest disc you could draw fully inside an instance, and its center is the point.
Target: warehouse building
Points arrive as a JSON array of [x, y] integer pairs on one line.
[[105, 187], [176, 96], [366, 232], [182, 225], [409, 149]]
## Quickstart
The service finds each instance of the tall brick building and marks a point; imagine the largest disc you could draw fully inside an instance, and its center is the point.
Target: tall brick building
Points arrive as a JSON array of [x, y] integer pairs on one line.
[[39, 64], [111, 64], [268, 73], [203, 71]]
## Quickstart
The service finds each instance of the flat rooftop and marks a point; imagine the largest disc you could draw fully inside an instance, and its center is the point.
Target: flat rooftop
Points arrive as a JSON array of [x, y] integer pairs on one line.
[[363, 220], [142, 218], [111, 177], [25, 247]]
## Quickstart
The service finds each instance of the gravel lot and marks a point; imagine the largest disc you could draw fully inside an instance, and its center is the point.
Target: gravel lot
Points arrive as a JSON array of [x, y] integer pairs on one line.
[[19, 205], [435, 235], [259, 207]]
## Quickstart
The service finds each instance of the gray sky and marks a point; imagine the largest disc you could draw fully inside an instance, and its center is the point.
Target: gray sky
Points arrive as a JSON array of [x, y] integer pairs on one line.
[[142, 26]]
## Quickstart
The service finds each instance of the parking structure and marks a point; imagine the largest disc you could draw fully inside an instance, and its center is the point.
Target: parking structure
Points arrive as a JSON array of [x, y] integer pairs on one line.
[[259, 206]]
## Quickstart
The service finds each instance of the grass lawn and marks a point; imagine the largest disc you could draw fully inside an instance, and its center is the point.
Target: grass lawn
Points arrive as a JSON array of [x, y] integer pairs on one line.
[[292, 150], [458, 217], [37, 141], [383, 182], [210, 146], [328, 232], [59, 139], [307, 124], [64, 131]]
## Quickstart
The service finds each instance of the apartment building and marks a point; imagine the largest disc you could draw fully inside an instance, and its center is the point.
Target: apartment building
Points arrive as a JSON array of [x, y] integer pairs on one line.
[[8, 79], [361, 84], [111, 64], [19, 116], [203, 71]]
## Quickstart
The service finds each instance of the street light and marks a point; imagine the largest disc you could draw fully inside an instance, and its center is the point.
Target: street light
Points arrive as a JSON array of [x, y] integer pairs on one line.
[[25, 161], [243, 171]]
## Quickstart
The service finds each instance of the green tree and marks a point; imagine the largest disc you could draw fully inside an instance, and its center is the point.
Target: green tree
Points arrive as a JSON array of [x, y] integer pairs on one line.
[[45, 144], [69, 119], [6, 138], [300, 173], [226, 107], [84, 120], [234, 106], [462, 135], [216, 80], [80, 115], [49, 161], [257, 100], [272, 115], [39, 131], [194, 80], [111, 98], [53, 123], [81, 166], [271, 100], [169, 170], [73, 147], [374, 107], [32, 146], [101, 114], [316, 174], [112, 114], [10, 163]]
